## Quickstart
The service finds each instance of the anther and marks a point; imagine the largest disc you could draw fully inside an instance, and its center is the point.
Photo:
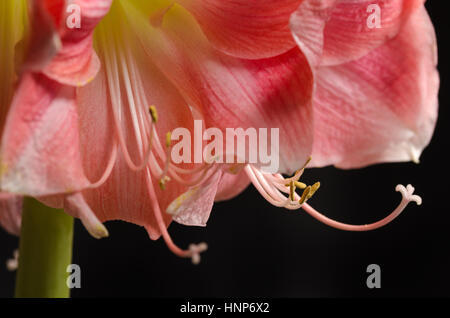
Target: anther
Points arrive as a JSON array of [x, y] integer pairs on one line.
[[298, 184], [314, 188], [168, 139], [305, 194], [292, 190], [307, 162], [153, 113], [162, 182]]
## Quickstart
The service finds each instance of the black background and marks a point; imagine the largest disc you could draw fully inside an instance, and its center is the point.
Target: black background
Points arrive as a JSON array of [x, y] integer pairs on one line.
[[257, 250]]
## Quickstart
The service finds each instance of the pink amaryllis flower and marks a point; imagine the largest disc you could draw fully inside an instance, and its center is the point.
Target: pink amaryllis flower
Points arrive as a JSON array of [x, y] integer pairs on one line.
[[85, 129]]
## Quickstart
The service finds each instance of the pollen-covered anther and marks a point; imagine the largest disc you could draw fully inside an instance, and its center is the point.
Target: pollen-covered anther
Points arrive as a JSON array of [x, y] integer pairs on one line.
[[163, 181], [153, 113], [292, 190], [297, 184], [306, 163], [168, 139], [195, 250], [305, 195], [314, 188]]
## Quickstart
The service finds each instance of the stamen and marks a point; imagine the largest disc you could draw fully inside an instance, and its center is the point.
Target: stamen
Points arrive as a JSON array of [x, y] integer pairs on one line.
[[168, 139], [297, 184], [108, 169], [194, 250], [306, 163], [153, 113], [164, 178], [272, 187], [295, 177], [171, 170], [314, 188], [109, 48], [305, 195], [292, 190], [162, 182], [270, 193]]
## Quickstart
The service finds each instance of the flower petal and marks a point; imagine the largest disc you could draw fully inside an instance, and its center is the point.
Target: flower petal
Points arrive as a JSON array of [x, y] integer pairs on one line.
[[246, 28], [382, 107], [76, 63], [194, 206], [348, 29], [10, 212], [40, 145], [231, 185], [231, 92]]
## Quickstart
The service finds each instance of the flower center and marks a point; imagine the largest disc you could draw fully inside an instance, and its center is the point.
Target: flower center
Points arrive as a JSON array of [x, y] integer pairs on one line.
[[134, 114]]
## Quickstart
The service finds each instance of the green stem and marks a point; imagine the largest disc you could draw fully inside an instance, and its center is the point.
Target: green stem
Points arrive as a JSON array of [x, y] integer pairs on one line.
[[45, 251]]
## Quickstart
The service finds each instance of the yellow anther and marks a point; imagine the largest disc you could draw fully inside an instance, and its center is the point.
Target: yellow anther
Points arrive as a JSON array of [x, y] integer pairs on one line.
[[153, 113], [304, 166], [300, 185], [314, 188], [292, 190], [306, 163], [305, 194], [297, 184], [162, 182], [168, 139]]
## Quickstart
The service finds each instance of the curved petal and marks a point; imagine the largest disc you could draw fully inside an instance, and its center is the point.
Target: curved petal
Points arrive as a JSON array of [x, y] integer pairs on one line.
[[40, 145], [343, 30], [10, 212], [231, 92], [231, 185], [246, 28], [194, 206], [43, 42], [76, 63], [382, 107]]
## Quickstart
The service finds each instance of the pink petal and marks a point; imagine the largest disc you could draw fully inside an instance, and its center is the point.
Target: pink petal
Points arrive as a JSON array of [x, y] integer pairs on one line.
[[40, 144], [54, 9], [194, 206], [75, 205], [76, 63], [43, 43], [342, 26], [382, 107], [231, 185], [231, 92], [10, 212], [246, 28]]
